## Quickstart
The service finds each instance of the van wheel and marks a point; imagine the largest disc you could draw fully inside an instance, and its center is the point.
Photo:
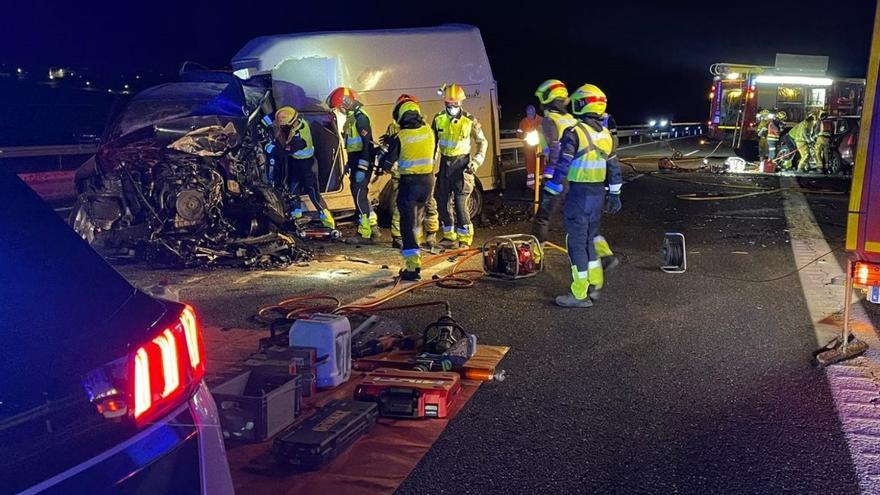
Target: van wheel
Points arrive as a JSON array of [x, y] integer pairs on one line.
[[475, 201]]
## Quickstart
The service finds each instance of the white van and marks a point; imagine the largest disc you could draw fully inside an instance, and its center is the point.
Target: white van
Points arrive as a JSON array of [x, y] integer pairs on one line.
[[380, 66]]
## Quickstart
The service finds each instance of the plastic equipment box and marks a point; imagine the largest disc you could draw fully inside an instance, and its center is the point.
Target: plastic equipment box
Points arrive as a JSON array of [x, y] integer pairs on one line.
[[325, 435], [257, 404]]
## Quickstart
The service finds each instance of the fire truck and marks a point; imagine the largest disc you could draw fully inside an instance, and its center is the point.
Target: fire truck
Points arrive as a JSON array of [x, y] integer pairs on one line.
[[796, 84], [863, 218]]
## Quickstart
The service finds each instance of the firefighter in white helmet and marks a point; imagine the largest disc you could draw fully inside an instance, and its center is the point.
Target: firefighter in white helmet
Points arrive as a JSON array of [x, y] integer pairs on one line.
[[455, 129], [587, 161]]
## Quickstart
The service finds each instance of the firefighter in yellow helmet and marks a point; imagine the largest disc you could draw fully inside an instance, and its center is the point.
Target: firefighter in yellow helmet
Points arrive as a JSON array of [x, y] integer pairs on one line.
[[587, 161], [294, 137], [553, 96], [412, 148], [431, 221], [358, 134], [454, 130]]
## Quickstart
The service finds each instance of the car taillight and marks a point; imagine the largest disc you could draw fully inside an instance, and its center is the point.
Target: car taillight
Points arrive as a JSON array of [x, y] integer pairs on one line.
[[866, 274], [155, 377], [194, 344], [167, 366]]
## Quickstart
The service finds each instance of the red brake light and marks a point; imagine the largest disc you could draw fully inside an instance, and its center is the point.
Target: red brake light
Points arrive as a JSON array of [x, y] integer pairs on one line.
[[165, 367], [866, 274], [194, 344]]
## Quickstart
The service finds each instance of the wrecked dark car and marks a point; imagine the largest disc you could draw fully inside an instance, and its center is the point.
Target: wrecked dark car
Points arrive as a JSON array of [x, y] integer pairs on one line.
[[182, 177]]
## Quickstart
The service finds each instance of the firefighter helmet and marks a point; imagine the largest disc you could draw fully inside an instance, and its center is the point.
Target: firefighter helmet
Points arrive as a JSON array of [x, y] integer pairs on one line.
[[453, 93], [401, 100], [588, 99], [406, 106], [341, 98], [287, 116], [550, 90]]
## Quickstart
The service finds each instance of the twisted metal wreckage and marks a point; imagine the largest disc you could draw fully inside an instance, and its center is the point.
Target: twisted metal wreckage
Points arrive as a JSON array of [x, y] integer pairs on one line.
[[183, 177]]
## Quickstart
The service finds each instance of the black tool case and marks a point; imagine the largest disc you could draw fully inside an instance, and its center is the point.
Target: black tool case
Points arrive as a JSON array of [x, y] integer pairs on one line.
[[326, 434]]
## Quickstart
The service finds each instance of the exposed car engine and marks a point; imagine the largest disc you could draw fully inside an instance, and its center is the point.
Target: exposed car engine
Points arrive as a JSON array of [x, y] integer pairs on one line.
[[183, 178]]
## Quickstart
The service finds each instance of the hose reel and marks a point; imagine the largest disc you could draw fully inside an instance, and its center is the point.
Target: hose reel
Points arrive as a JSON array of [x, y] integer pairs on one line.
[[674, 253]]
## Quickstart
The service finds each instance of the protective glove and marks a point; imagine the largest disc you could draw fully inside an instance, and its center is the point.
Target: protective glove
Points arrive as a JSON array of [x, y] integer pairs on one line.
[[472, 167], [612, 203], [359, 176], [553, 188]]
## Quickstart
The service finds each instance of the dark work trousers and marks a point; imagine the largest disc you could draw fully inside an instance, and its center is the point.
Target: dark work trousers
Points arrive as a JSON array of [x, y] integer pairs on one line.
[[412, 195], [541, 222], [359, 190], [456, 184], [583, 212], [302, 178]]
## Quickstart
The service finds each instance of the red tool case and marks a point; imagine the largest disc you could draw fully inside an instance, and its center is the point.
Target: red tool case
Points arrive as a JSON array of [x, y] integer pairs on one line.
[[409, 394]]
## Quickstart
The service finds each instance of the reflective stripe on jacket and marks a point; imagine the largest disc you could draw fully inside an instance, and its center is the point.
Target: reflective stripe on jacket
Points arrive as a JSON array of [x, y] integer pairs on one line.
[[305, 132], [354, 141], [594, 148]]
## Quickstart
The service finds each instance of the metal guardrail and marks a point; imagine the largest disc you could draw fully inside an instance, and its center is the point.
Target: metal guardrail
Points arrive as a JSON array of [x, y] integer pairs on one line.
[[54, 150], [629, 132]]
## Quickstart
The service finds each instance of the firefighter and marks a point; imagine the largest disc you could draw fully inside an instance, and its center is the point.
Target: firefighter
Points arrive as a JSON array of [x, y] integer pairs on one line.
[[587, 161], [294, 137], [774, 129], [431, 222], [824, 128], [531, 123], [358, 136], [413, 148], [454, 129], [762, 130], [553, 96], [801, 134]]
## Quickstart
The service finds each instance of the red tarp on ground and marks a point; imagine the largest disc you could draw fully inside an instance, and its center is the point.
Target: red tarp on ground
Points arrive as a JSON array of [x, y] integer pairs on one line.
[[376, 464]]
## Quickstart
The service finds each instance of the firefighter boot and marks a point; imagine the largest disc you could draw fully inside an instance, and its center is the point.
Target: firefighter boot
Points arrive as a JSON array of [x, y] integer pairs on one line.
[[465, 236], [412, 268], [364, 230], [578, 297], [327, 219], [375, 232], [450, 238], [431, 240], [603, 249], [597, 279]]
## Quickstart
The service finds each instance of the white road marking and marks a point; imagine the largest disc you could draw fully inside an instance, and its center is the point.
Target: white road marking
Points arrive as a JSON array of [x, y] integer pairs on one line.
[[855, 384]]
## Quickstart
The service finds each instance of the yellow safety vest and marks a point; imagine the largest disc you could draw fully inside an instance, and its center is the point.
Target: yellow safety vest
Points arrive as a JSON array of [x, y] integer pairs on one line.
[[562, 121], [305, 132], [454, 134], [353, 140], [593, 150], [416, 151]]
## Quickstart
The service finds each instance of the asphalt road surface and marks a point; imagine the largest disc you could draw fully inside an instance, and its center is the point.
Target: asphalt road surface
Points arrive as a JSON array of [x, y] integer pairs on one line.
[[693, 383]]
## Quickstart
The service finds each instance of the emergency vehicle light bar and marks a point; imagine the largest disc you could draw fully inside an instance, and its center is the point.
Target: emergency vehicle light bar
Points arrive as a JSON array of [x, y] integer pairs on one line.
[[799, 80]]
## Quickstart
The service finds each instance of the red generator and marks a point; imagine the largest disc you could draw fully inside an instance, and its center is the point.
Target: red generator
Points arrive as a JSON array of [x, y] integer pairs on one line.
[[409, 394], [513, 256]]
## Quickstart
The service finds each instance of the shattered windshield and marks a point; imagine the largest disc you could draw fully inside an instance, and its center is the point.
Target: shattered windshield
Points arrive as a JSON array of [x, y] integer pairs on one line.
[[171, 101]]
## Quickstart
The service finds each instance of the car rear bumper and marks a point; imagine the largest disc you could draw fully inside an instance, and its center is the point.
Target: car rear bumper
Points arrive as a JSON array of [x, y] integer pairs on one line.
[[183, 453]]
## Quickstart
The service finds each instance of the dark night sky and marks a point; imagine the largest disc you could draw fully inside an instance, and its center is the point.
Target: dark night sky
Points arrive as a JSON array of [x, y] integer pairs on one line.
[[651, 58]]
